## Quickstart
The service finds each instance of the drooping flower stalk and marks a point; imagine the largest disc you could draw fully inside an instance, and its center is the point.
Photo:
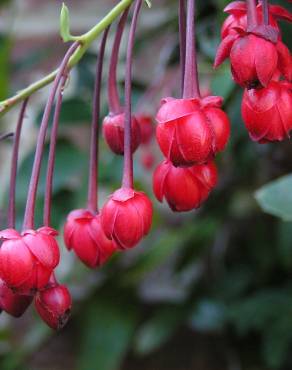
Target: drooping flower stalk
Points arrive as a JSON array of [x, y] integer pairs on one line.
[[265, 6], [28, 222], [92, 201], [251, 14], [191, 79], [182, 40], [113, 94], [128, 156], [52, 151], [14, 163]]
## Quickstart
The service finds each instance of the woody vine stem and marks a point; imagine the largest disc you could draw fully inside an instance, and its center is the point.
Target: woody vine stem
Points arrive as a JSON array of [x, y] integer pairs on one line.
[[84, 40]]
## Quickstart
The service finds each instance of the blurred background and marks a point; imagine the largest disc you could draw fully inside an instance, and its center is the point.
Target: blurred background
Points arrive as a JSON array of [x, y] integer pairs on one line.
[[206, 290]]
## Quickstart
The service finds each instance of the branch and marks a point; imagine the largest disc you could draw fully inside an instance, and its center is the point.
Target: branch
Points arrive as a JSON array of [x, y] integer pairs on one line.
[[85, 41]]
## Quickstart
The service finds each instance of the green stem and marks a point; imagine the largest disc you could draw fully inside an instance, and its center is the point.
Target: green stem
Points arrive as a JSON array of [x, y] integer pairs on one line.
[[85, 40]]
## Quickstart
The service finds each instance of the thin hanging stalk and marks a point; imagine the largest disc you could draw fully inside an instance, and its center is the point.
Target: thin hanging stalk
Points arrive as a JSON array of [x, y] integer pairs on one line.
[[92, 201], [14, 164], [265, 6], [28, 222], [182, 40], [251, 14], [52, 152], [128, 156], [113, 94], [191, 79]]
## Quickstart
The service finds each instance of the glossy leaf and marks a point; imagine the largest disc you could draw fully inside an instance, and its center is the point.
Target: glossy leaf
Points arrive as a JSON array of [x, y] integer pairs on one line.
[[275, 198]]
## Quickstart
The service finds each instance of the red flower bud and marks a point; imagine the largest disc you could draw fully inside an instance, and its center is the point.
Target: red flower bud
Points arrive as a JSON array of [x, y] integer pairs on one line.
[[267, 112], [28, 259], [12, 303], [113, 132], [146, 127], [127, 217], [191, 131], [238, 17], [184, 188], [253, 58], [54, 305], [83, 233]]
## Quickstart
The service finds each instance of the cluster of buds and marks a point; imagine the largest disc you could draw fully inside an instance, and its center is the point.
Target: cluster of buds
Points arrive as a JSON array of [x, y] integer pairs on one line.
[[95, 236], [190, 131], [29, 257], [262, 64]]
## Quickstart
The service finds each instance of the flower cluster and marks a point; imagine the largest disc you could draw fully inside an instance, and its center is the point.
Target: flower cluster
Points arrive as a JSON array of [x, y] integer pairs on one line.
[[95, 236], [262, 64], [28, 258], [190, 131]]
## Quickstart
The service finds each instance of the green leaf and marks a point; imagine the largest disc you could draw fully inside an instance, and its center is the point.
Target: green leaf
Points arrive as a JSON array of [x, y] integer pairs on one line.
[[157, 330], [65, 23], [277, 339], [108, 331], [75, 111], [260, 309], [208, 315], [284, 244], [233, 283], [166, 243], [275, 198]]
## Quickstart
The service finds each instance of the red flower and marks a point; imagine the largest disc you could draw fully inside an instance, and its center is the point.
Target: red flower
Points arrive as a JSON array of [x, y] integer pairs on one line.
[[28, 259], [54, 305], [238, 18], [126, 217], [184, 188], [12, 303], [83, 233], [113, 132], [191, 131], [146, 127], [254, 58], [267, 112]]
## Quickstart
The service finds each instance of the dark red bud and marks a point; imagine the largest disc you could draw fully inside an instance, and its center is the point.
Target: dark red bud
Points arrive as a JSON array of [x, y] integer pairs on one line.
[[113, 132], [28, 259], [12, 303], [253, 61], [184, 188], [54, 306], [191, 131], [267, 112], [83, 233], [127, 217]]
